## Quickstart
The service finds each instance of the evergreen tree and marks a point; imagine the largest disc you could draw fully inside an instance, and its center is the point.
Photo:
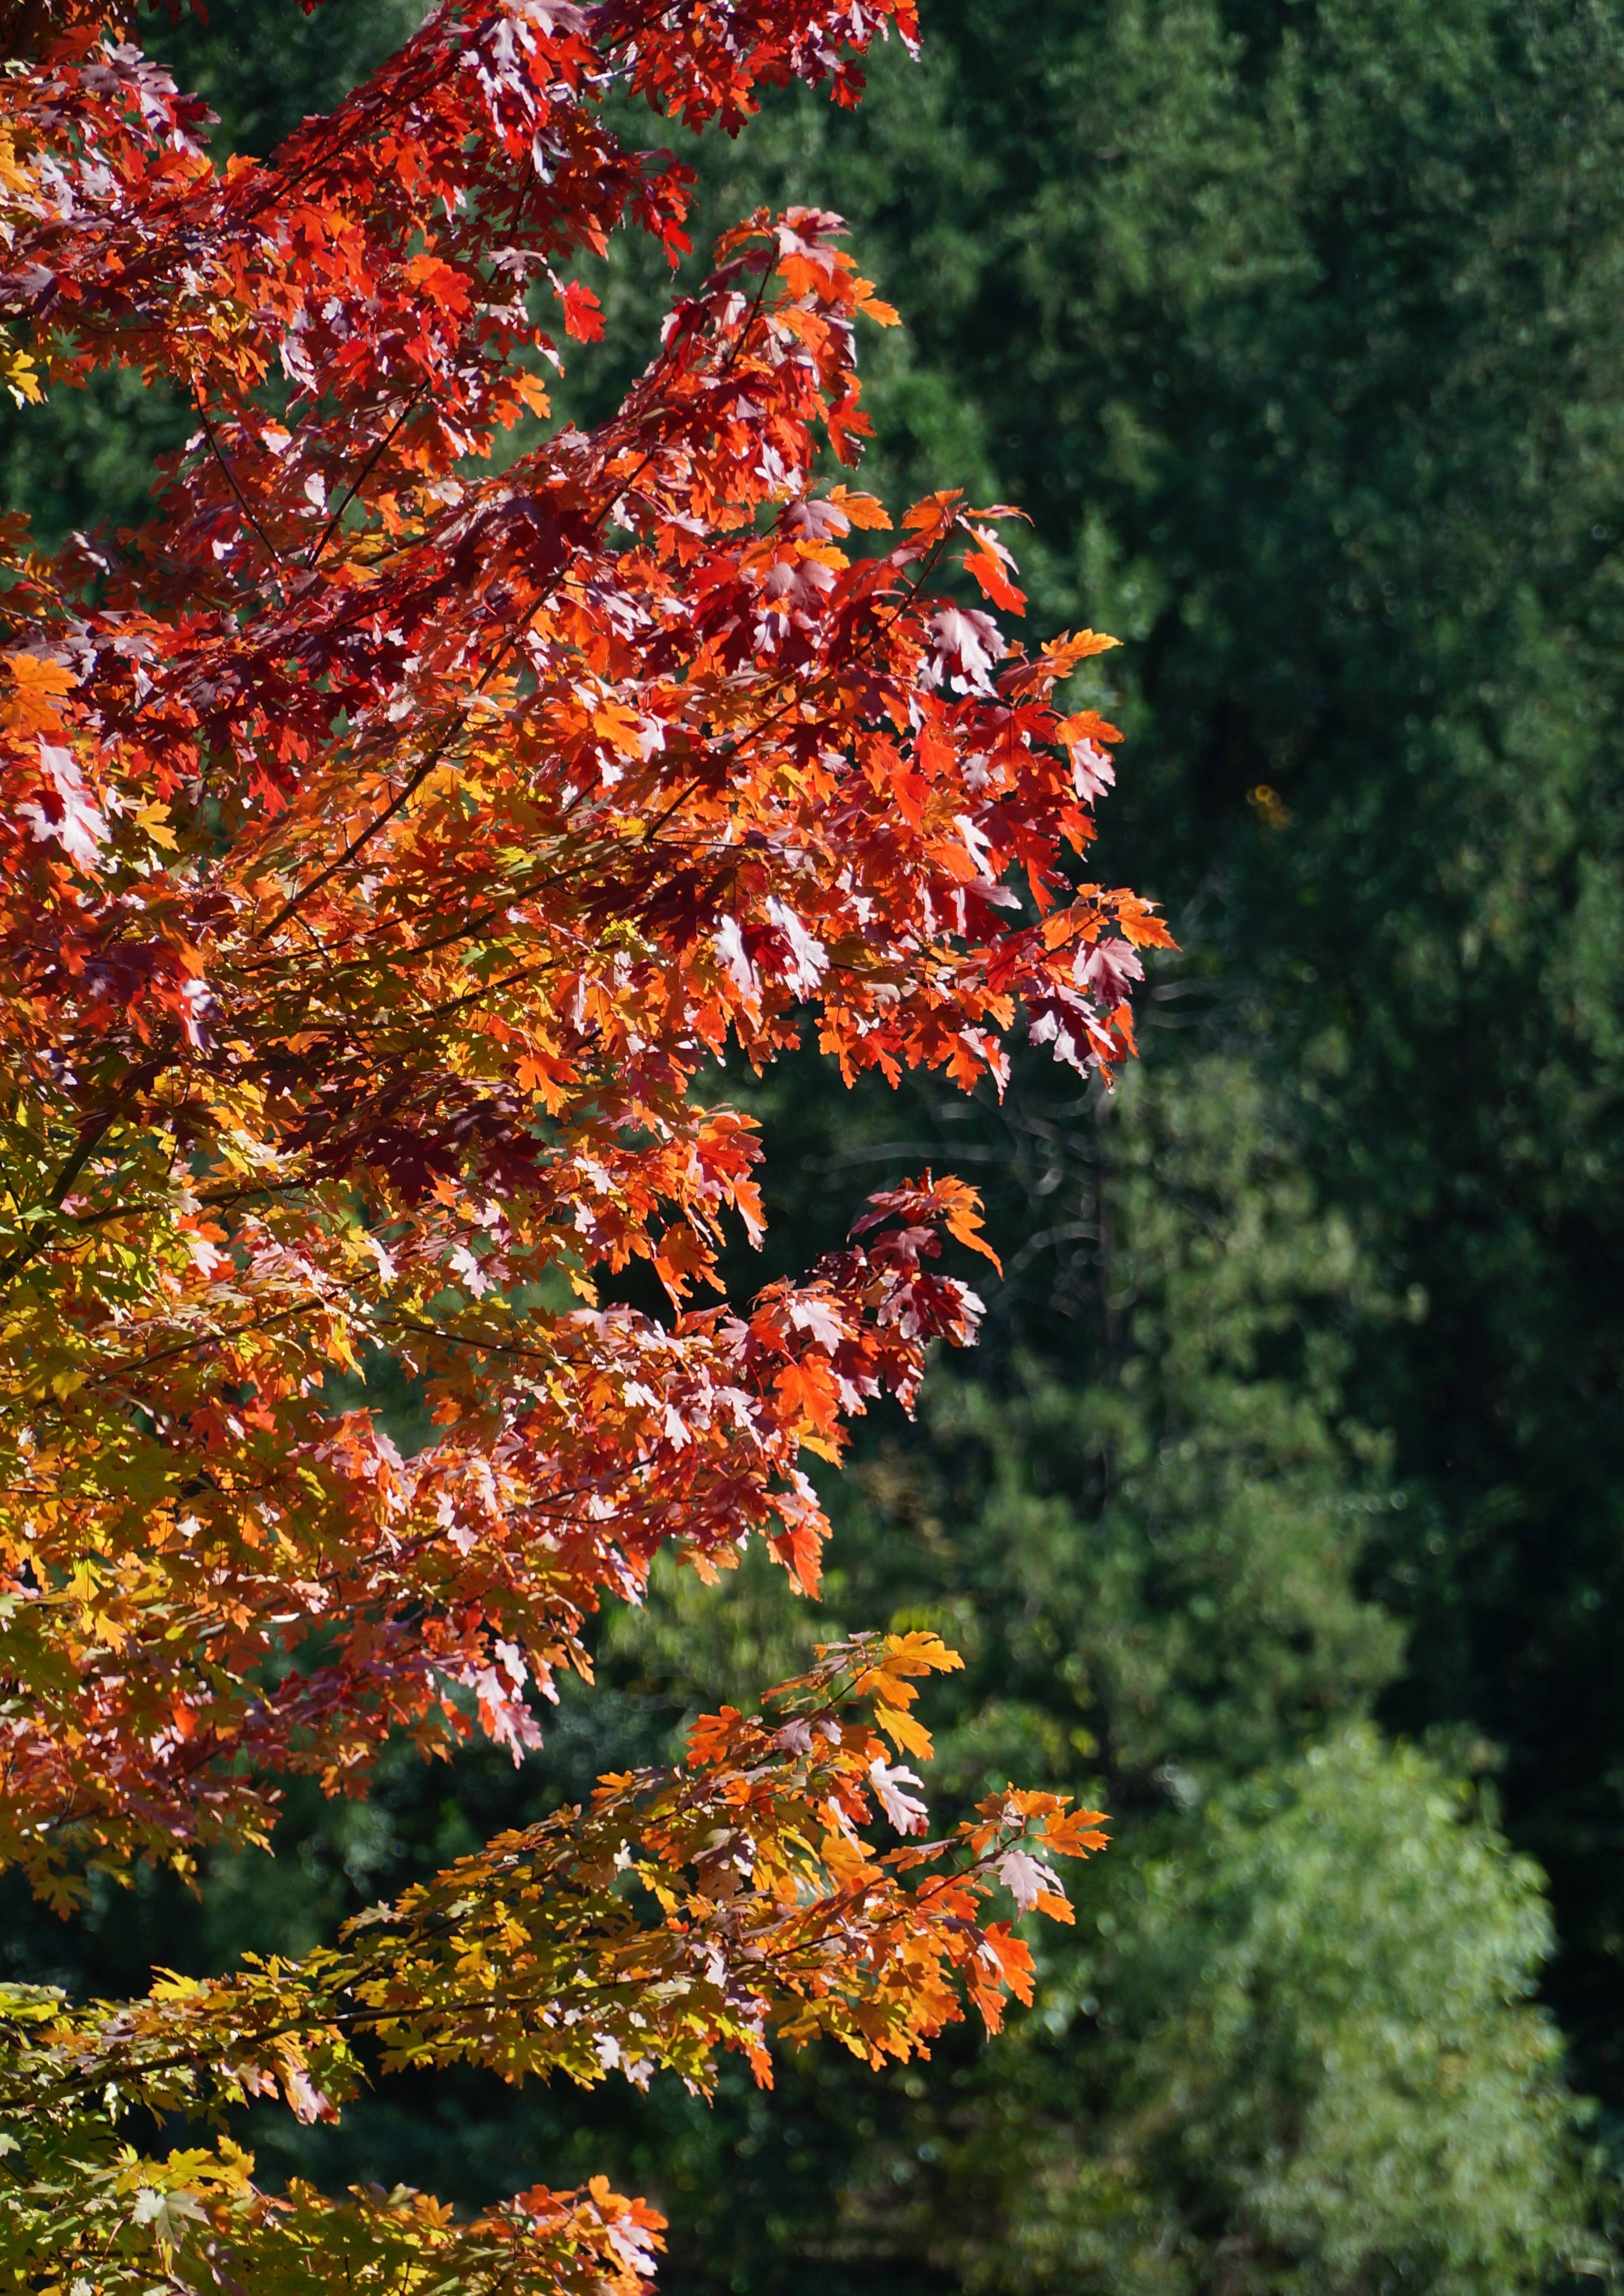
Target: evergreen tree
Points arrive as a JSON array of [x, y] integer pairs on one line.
[[1291, 2043], [1297, 329], [1290, 2051]]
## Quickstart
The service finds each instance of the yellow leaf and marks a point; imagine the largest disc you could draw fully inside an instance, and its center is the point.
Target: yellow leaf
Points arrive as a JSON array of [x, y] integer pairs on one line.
[[903, 1730], [921, 1651], [155, 820], [18, 374], [861, 510], [846, 1860]]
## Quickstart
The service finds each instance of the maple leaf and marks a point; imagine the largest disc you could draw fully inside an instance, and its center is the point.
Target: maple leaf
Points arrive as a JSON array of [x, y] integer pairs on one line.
[[906, 1813], [36, 683], [583, 315]]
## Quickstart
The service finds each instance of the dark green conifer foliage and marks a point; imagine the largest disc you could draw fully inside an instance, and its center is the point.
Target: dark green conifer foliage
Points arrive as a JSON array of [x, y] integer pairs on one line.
[[1298, 325], [1289, 2050]]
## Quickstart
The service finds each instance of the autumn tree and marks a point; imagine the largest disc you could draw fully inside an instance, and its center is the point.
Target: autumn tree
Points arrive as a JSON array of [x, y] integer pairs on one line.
[[396, 839]]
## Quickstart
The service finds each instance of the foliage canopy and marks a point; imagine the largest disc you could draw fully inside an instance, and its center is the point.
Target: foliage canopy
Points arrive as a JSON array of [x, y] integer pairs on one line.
[[390, 840]]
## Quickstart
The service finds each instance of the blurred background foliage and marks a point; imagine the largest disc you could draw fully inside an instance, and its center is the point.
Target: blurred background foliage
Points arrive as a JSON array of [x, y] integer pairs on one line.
[[1282, 1507]]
